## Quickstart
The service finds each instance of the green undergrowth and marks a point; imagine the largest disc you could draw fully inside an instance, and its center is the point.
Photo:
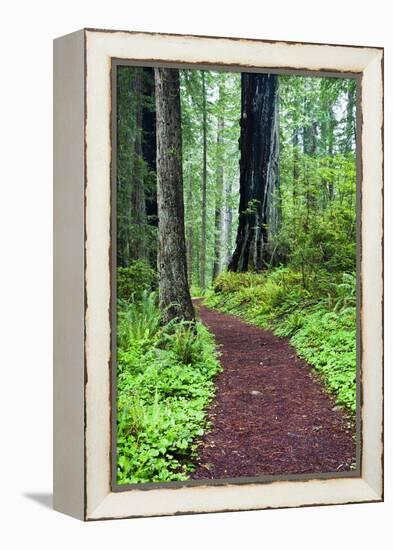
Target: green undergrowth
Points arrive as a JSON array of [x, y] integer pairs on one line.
[[165, 380], [318, 317]]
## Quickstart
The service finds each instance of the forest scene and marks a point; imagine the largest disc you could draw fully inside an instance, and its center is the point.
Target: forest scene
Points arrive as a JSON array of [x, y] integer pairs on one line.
[[236, 274]]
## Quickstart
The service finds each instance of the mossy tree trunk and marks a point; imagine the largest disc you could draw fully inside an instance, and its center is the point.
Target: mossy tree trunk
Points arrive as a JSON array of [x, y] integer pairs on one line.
[[174, 294]]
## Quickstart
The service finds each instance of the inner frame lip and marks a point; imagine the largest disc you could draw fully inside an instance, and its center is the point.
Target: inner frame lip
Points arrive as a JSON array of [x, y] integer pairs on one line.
[[115, 62]]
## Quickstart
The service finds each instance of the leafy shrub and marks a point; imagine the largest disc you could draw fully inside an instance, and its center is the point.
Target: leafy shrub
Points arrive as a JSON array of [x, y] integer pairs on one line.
[[182, 338], [138, 321], [133, 280], [229, 281], [197, 291], [346, 293], [165, 380]]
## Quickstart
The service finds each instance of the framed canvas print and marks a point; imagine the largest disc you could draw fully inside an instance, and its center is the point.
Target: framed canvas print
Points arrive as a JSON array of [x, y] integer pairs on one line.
[[218, 274]]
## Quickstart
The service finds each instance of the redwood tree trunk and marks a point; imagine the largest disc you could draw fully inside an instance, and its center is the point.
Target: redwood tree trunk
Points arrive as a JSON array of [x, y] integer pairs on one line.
[[258, 169], [175, 300]]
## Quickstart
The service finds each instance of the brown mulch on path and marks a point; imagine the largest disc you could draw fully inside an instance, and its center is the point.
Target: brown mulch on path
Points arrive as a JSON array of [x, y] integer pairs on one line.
[[270, 415]]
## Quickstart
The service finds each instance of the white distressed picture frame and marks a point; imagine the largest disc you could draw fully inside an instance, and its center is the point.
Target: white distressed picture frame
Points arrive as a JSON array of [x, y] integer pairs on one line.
[[82, 248]]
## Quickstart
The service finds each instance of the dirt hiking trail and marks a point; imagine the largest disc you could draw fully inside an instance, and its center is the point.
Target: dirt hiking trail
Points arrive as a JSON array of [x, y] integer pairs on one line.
[[270, 415]]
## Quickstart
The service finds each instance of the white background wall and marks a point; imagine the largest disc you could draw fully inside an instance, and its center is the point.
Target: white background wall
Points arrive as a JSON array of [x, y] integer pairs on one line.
[[27, 30]]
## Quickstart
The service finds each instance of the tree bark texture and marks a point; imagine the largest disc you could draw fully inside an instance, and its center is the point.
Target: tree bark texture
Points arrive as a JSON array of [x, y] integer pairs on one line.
[[258, 170], [174, 294]]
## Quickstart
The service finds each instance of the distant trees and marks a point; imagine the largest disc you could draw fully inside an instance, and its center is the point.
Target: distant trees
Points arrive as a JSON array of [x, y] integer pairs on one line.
[[136, 177], [210, 128], [317, 174], [268, 168]]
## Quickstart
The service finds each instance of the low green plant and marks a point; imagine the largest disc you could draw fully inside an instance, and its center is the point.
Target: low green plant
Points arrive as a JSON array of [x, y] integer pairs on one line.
[[165, 380], [181, 338], [138, 321], [327, 340]]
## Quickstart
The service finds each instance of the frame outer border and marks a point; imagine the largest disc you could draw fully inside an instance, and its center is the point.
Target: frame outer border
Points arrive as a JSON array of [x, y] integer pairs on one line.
[[77, 480]]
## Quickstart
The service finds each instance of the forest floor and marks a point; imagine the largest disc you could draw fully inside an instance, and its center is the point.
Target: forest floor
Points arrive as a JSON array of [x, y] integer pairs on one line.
[[271, 415]]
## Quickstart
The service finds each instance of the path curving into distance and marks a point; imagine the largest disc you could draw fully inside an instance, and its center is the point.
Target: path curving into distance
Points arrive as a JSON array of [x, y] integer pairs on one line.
[[271, 416]]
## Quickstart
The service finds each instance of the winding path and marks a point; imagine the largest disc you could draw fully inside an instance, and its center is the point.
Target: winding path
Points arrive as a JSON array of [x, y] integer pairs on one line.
[[270, 415]]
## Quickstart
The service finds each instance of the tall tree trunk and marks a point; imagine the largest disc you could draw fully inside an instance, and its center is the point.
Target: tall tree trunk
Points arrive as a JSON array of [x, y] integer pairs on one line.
[[258, 169], [126, 129], [204, 186], [330, 148], [149, 144], [189, 224], [149, 151], [296, 168], [226, 237], [229, 223], [218, 213], [273, 204], [310, 129], [324, 141], [174, 294], [350, 129], [138, 206]]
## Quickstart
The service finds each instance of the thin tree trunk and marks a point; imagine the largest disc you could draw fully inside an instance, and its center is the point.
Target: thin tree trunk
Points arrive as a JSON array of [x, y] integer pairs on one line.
[[296, 169], [310, 129], [218, 217], [229, 217], [332, 124], [258, 173], [125, 159], [350, 118], [273, 204], [189, 224], [149, 144], [226, 236], [174, 294], [137, 235], [204, 186]]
